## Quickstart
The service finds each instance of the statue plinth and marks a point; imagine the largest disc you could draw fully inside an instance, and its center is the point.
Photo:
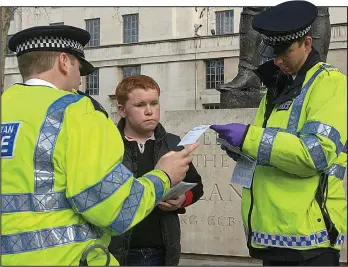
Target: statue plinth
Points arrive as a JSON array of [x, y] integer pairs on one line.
[[248, 98]]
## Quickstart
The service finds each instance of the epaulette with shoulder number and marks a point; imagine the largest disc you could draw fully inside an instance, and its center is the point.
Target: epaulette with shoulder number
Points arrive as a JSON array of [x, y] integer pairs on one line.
[[329, 68], [95, 103]]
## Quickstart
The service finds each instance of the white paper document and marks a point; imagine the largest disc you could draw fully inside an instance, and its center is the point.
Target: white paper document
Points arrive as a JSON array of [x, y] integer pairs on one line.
[[193, 135], [243, 172], [178, 190], [233, 149]]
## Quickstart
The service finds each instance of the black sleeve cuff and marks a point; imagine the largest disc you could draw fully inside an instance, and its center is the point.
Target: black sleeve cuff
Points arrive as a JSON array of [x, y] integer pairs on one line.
[[170, 180], [245, 134]]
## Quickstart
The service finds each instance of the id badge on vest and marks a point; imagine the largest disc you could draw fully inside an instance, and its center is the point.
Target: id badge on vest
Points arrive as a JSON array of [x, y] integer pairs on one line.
[[243, 172]]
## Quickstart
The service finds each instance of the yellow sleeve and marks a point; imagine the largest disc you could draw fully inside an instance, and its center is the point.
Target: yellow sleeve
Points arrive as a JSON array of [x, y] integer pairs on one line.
[[99, 186], [321, 139]]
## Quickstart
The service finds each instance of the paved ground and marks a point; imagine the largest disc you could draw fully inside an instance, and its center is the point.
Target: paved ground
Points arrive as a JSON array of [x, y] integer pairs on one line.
[[222, 261], [213, 260], [192, 262]]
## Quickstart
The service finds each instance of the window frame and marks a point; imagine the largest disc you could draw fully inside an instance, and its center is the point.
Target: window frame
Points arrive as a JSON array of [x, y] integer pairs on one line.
[[133, 29], [95, 80], [212, 83], [220, 17], [95, 35], [137, 72]]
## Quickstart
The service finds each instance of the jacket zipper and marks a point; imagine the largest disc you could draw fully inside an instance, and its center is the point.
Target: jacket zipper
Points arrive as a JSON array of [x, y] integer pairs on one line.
[[249, 216]]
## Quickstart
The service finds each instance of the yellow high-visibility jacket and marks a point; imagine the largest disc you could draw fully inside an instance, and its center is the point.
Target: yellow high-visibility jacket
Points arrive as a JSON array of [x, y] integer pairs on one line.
[[63, 183], [298, 144]]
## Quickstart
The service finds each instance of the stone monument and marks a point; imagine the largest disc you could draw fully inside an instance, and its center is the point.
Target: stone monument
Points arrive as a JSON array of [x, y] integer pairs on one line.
[[244, 90]]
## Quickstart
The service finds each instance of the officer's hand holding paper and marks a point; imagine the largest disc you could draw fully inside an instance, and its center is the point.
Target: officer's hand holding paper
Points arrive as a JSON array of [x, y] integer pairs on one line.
[[233, 133], [232, 151], [189, 139], [178, 190], [172, 204], [176, 163], [231, 137], [231, 154]]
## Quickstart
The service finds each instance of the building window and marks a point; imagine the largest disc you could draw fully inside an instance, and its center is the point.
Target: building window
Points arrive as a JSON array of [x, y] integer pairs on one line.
[[92, 83], [8, 51], [211, 106], [130, 28], [13, 9], [56, 23], [214, 73], [224, 22], [93, 27], [132, 70]]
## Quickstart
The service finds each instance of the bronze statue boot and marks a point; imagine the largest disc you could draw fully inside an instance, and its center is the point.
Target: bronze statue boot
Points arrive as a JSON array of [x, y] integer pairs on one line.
[[249, 56], [244, 81]]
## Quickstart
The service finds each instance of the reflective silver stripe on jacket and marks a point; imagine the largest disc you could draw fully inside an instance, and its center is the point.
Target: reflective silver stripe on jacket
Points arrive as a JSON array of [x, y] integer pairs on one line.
[[48, 238], [129, 208], [336, 171], [310, 141], [266, 145], [43, 155], [316, 127], [97, 193], [34, 202], [44, 198], [268, 136], [316, 151]]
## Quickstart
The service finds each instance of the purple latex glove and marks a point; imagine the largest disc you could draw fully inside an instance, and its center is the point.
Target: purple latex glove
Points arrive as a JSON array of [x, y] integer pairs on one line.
[[233, 133], [231, 154]]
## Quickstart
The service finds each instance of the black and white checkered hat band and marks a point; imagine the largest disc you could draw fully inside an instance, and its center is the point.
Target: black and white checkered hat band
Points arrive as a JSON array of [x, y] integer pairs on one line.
[[273, 40], [50, 42]]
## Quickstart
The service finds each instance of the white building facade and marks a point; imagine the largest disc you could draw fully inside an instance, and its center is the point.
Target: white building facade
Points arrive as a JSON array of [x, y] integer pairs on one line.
[[186, 50]]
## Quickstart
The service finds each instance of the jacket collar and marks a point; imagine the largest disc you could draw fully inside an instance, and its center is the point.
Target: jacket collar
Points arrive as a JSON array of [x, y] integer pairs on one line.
[[313, 58], [159, 131], [36, 81]]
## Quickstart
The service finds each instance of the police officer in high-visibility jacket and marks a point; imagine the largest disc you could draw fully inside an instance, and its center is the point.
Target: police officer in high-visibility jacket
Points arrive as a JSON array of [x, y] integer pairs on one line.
[[64, 188], [295, 210]]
